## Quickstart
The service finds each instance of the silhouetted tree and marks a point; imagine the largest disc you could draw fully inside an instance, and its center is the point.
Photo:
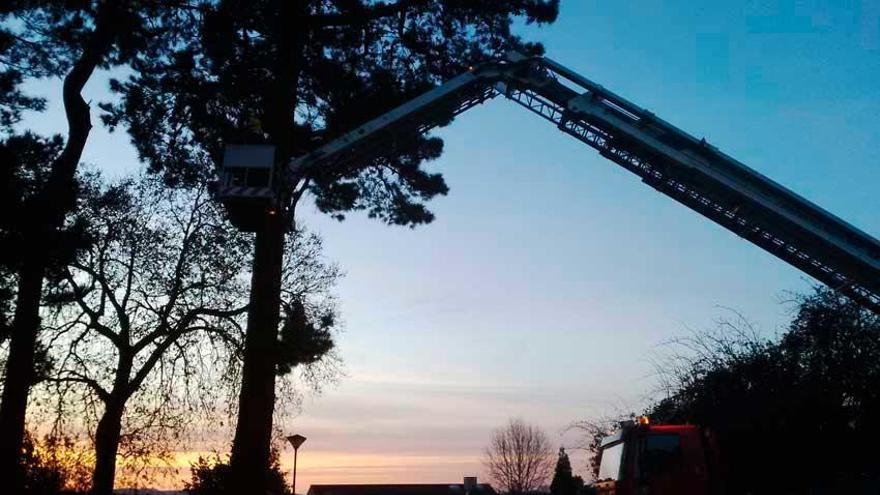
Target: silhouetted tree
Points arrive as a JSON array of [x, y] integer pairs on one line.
[[154, 317], [26, 159], [519, 458], [564, 481], [798, 413], [18, 59], [214, 477], [69, 39], [162, 271], [297, 74], [17, 176]]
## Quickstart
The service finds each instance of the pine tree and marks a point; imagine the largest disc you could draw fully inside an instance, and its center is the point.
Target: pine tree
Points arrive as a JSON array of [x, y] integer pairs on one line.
[[297, 75], [564, 482], [70, 39]]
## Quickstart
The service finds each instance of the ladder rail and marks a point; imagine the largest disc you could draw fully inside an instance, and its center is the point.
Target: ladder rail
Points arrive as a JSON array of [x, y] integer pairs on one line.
[[675, 163], [700, 202], [420, 115], [709, 161]]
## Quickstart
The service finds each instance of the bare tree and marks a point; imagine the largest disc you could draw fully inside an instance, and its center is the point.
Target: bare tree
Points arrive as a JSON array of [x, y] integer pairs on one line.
[[148, 328], [519, 458], [164, 272], [683, 361]]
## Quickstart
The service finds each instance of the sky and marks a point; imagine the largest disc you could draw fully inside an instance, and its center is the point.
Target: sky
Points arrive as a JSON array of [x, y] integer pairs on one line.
[[551, 277]]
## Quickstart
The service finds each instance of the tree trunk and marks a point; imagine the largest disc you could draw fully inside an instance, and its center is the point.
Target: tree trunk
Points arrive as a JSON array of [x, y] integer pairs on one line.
[[106, 447], [250, 448], [55, 200], [19, 372], [249, 462]]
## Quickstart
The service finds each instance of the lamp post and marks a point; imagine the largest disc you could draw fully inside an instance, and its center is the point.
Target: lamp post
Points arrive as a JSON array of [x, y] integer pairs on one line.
[[295, 441]]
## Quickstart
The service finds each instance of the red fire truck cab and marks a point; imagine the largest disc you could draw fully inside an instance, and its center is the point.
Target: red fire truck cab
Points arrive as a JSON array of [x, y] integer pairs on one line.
[[647, 459]]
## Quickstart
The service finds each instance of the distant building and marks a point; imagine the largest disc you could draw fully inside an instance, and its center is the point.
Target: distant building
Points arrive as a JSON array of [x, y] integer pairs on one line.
[[469, 487]]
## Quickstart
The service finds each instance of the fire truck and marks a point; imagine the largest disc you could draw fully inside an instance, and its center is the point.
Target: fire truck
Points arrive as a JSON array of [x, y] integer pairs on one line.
[[654, 459]]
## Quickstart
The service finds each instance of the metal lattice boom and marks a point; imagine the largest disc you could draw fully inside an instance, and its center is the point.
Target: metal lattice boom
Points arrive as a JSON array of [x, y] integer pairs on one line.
[[671, 161]]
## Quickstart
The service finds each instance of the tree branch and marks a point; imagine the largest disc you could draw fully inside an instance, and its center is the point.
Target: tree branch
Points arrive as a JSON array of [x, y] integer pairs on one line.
[[183, 326], [78, 378], [94, 317], [366, 14]]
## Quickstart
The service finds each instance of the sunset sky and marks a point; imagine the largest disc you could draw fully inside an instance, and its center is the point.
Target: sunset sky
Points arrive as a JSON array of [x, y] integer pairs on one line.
[[551, 277]]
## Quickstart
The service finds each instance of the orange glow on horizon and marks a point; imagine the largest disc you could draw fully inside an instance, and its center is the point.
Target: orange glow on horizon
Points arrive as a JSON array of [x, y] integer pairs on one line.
[[329, 467]]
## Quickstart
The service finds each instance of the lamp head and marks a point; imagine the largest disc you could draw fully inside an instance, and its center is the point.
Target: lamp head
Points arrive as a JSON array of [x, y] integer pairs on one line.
[[296, 440]]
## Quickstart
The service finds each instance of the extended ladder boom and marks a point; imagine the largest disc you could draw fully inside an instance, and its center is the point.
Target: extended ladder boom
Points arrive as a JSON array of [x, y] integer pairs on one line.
[[668, 159]]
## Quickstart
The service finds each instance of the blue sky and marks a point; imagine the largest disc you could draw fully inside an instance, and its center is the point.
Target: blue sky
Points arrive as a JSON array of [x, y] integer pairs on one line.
[[551, 276]]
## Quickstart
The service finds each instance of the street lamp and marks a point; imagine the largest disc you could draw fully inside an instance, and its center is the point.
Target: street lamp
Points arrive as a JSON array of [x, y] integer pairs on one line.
[[296, 441]]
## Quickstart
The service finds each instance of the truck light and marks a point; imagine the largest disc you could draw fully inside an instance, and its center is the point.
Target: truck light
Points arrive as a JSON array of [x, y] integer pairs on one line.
[[644, 421]]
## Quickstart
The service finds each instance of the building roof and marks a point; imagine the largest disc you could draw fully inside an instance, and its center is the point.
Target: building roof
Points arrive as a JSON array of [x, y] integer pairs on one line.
[[413, 489]]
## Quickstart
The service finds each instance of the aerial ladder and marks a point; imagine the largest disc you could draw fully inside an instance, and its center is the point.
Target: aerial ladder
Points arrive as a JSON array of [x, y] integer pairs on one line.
[[688, 170]]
